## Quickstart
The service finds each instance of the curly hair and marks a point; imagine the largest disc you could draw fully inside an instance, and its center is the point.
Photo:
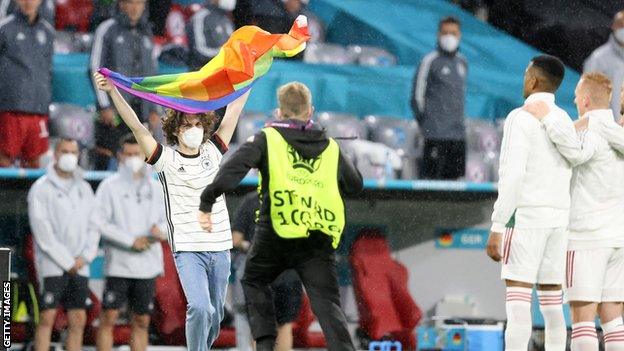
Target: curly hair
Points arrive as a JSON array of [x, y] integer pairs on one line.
[[174, 119]]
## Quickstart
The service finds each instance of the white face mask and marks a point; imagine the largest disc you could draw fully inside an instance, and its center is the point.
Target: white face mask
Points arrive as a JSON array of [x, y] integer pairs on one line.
[[134, 164], [619, 35], [227, 5], [67, 162], [449, 42], [193, 137]]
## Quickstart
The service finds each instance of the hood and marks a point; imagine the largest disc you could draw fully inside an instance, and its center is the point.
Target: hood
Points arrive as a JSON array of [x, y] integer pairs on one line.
[[56, 180], [309, 141]]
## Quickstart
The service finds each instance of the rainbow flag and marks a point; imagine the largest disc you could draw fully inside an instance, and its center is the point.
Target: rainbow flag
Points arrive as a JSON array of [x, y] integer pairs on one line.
[[245, 57]]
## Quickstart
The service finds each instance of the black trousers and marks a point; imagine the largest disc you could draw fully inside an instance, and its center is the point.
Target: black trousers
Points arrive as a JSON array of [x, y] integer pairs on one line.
[[313, 259], [443, 159]]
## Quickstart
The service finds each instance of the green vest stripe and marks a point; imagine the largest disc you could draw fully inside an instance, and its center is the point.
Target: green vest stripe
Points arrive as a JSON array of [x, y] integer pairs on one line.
[[304, 193]]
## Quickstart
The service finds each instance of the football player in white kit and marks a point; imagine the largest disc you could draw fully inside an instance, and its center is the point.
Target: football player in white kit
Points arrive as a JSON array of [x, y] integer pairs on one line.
[[530, 217], [595, 258]]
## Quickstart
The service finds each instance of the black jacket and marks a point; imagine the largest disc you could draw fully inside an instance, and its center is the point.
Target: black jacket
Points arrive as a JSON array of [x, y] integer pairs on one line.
[[127, 49], [25, 64], [207, 31], [309, 142]]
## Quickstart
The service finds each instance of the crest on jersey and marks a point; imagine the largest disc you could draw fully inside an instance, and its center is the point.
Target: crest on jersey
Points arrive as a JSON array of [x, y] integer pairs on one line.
[[206, 163], [298, 162]]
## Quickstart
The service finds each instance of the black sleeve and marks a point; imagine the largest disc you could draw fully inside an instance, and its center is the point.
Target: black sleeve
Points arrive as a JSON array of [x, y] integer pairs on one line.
[[243, 220], [248, 156], [349, 178], [413, 102], [155, 156], [216, 140]]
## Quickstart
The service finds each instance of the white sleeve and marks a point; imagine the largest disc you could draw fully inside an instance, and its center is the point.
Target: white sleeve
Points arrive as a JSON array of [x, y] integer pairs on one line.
[[513, 159], [421, 81], [613, 133], [93, 241], [161, 157], [43, 232], [562, 133], [103, 218]]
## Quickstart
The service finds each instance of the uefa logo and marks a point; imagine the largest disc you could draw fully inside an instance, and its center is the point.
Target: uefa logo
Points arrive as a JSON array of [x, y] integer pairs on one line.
[[384, 346]]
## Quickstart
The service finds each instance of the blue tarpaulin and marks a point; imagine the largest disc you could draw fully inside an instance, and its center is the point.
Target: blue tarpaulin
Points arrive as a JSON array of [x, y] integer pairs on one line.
[[406, 28]]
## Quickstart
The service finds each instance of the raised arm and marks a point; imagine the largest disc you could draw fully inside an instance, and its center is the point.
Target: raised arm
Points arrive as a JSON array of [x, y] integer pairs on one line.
[[232, 113], [143, 136]]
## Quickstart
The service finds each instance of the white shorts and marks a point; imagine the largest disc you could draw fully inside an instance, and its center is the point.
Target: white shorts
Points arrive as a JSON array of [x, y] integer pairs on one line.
[[595, 275], [534, 255]]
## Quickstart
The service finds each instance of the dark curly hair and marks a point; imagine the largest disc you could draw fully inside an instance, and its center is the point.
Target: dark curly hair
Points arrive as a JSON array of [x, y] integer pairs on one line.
[[173, 120]]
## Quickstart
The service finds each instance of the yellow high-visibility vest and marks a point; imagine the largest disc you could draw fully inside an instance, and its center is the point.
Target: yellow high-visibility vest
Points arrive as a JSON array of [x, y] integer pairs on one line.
[[304, 193]]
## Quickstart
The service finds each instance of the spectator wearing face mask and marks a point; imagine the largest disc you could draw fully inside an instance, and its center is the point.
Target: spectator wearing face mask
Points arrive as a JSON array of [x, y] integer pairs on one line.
[[438, 103], [60, 210], [608, 59], [208, 30], [26, 47], [123, 44], [131, 219]]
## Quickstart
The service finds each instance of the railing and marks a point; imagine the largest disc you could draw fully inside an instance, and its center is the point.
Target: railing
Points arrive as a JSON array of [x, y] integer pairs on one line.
[[370, 184]]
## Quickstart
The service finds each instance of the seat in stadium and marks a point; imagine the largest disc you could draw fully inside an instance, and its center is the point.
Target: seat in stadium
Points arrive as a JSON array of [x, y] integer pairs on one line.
[[398, 133], [477, 170], [373, 160], [341, 125], [170, 308], [324, 53], [72, 121], [302, 335], [372, 56], [385, 305], [482, 136], [249, 124], [403, 135]]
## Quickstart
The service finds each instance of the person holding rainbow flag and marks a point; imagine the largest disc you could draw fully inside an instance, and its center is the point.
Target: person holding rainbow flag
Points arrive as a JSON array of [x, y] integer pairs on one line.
[[191, 160]]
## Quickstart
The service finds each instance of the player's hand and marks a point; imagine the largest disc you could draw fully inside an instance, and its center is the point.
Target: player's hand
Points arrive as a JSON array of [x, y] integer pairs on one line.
[[157, 233], [78, 264], [494, 244], [107, 115], [581, 124], [141, 243], [205, 220], [621, 121], [102, 82], [538, 109]]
